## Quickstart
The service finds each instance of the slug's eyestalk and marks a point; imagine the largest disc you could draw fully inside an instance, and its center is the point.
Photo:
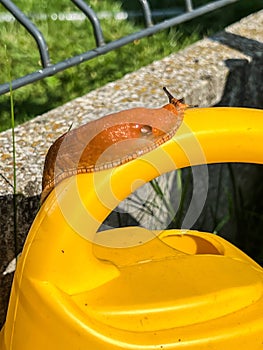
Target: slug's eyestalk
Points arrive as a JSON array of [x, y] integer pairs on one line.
[[170, 96], [172, 99]]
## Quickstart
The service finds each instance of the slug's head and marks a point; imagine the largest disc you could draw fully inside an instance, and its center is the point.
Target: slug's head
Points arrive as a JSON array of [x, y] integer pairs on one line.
[[174, 105], [163, 121]]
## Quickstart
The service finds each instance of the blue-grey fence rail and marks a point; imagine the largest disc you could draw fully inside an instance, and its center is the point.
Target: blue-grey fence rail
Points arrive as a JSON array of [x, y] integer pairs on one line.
[[101, 48]]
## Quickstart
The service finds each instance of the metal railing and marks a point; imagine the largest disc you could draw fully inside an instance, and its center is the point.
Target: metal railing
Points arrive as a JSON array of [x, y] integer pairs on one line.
[[101, 48]]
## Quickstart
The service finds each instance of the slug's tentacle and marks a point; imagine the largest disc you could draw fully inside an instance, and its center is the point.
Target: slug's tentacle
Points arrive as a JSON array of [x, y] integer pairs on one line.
[[170, 96], [110, 141], [174, 103]]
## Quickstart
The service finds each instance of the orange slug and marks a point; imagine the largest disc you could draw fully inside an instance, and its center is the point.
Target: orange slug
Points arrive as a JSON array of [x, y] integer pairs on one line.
[[111, 141]]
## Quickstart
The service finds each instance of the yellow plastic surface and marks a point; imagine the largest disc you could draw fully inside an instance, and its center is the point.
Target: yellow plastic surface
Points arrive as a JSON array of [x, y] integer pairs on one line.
[[131, 288]]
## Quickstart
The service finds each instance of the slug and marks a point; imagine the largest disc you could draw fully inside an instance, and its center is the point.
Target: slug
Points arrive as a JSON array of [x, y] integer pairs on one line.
[[111, 141]]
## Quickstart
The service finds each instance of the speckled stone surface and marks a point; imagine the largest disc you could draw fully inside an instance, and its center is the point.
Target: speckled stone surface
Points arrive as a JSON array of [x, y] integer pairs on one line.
[[224, 70], [198, 73]]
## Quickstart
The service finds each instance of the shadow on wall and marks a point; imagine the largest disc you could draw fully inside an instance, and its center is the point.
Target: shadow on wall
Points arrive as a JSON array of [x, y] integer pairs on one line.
[[11, 243], [244, 86], [235, 194]]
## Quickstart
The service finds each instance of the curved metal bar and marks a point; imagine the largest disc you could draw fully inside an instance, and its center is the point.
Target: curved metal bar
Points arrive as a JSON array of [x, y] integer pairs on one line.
[[87, 10], [189, 5], [88, 55], [32, 29], [147, 13]]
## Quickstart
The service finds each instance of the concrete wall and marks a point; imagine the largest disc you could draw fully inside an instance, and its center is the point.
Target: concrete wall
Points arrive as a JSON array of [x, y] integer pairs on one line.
[[226, 69]]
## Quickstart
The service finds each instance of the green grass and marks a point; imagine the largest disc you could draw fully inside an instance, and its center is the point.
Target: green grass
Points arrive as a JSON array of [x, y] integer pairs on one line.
[[12, 121], [66, 39]]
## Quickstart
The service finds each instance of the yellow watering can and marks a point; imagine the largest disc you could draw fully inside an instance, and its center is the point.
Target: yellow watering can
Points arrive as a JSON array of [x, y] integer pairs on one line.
[[131, 288]]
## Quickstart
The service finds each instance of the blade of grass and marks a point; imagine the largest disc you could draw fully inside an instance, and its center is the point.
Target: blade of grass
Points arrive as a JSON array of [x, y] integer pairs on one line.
[[221, 224], [12, 119], [156, 187], [183, 188], [6, 180]]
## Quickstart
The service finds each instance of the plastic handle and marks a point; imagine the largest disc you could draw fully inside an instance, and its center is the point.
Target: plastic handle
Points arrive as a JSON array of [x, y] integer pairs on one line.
[[66, 225], [206, 136]]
